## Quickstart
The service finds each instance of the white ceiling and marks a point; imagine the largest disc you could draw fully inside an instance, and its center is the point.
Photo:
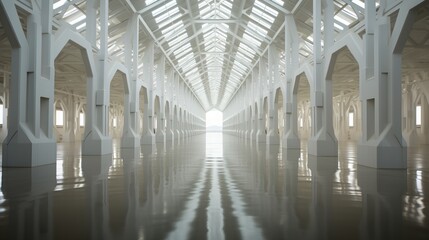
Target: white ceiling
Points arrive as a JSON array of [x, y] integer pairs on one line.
[[215, 44]]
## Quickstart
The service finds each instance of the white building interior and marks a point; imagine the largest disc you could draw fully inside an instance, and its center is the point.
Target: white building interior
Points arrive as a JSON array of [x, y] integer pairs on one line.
[[87, 84]]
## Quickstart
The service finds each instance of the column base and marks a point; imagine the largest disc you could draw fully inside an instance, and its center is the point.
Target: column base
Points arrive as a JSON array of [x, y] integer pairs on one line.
[[273, 138], [24, 150], [130, 142], [147, 139], [160, 137], [260, 137], [169, 135], [388, 153], [323, 145], [96, 144], [291, 141]]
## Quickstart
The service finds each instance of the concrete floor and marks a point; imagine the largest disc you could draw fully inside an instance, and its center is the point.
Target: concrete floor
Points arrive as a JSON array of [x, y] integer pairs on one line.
[[215, 187]]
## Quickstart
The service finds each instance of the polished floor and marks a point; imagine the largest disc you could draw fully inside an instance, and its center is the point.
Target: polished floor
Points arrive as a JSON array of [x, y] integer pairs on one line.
[[215, 186]]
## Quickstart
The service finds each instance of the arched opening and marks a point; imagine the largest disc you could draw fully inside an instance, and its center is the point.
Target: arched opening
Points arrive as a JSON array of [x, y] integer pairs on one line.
[[71, 82], [302, 95], [345, 96], [116, 107], [415, 84], [5, 75], [214, 121]]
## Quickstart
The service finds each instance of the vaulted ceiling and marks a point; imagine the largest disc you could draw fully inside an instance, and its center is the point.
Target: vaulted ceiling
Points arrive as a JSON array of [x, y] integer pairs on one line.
[[212, 44]]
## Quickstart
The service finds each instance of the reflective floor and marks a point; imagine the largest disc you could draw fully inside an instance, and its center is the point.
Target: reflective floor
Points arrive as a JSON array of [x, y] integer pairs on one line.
[[215, 187]]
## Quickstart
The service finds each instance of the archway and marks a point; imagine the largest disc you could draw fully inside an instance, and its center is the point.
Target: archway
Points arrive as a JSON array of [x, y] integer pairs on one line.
[[5, 75], [70, 89], [301, 92], [116, 106], [345, 96], [415, 85]]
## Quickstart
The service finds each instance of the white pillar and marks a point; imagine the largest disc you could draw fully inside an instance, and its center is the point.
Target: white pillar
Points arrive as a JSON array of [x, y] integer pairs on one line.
[[97, 140], [148, 136], [273, 75], [30, 141], [130, 137], [322, 141], [382, 145], [290, 138]]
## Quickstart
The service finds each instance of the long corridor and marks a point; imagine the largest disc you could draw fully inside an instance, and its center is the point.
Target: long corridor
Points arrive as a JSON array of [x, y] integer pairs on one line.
[[214, 186]]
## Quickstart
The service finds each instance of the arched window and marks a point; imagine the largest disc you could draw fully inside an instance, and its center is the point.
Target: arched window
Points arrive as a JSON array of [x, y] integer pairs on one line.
[[418, 115]]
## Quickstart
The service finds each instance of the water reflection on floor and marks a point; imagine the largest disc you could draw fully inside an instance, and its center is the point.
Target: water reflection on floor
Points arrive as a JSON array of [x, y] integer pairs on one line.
[[215, 186]]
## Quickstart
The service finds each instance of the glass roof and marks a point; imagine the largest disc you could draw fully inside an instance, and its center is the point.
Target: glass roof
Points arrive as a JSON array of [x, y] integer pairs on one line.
[[214, 45]]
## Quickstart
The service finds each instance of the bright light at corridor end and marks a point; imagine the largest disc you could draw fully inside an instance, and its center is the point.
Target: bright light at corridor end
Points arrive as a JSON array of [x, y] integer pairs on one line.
[[214, 121]]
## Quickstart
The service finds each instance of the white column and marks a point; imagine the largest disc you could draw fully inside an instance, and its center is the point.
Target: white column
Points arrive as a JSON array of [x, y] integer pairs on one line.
[[30, 141], [290, 138], [273, 75], [97, 140], [322, 141], [130, 136], [160, 82], [148, 136], [382, 145]]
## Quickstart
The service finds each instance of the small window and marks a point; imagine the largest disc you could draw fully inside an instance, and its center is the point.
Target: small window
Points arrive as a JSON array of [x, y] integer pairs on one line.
[[418, 116], [114, 122], [301, 122], [351, 119], [81, 119], [1, 114], [59, 117]]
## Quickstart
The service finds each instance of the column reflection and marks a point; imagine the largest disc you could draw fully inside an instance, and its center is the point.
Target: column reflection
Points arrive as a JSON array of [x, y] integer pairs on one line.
[[28, 194], [382, 202]]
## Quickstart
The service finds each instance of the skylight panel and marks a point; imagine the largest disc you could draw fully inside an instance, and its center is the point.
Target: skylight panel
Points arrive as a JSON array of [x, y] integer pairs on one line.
[[251, 39], [257, 29], [149, 2], [359, 3], [59, 4], [225, 10], [183, 60], [266, 8], [261, 21], [342, 20], [240, 56], [279, 2], [191, 72], [244, 47], [222, 15], [186, 51], [187, 45], [178, 39], [166, 15], [163, 8], [173, 28], [78, 19], [171, 19], [246, 53], [261, 14], [71, 11]]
